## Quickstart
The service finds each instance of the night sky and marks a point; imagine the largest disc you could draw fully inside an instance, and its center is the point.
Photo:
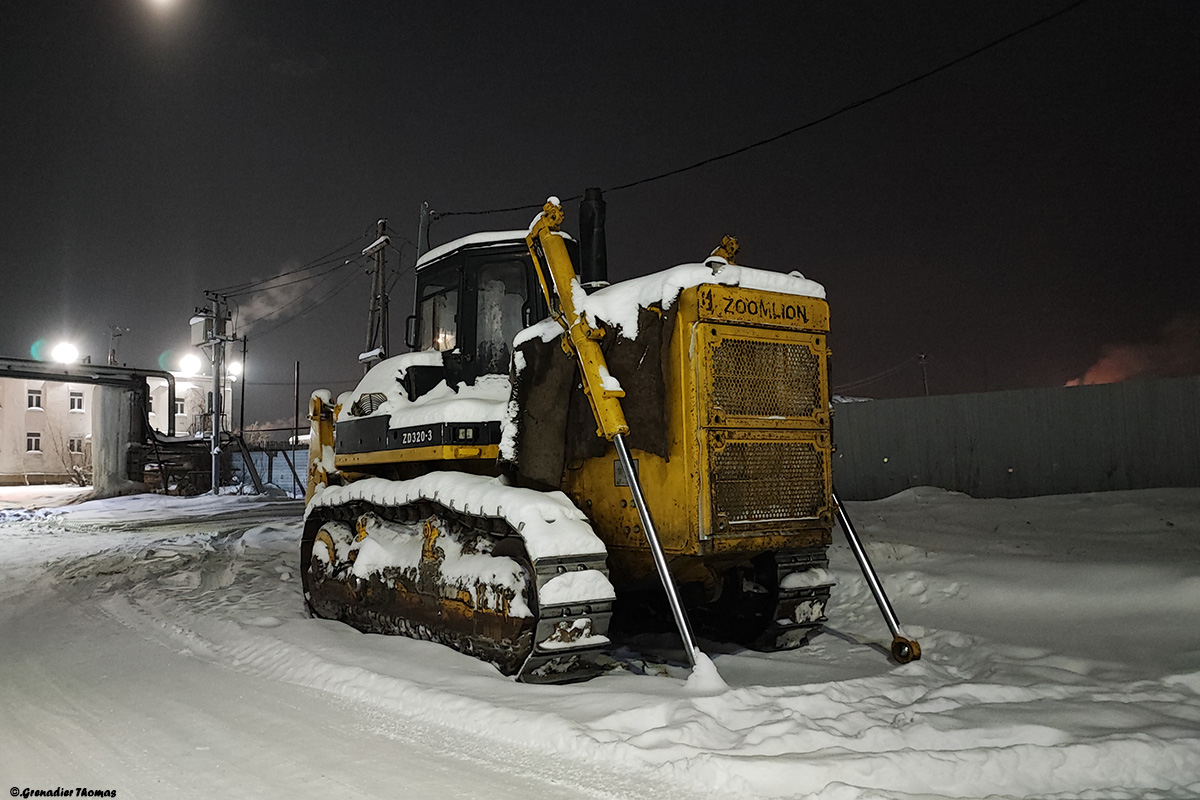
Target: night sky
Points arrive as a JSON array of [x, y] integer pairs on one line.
[[1022, 218]]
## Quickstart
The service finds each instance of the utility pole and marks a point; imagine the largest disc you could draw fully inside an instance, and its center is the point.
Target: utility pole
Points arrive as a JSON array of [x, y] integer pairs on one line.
[[214, 337], [217, 342], [242, 406], [423, 229], [296, 426], [114, 333], [924, 376], [377, 316]]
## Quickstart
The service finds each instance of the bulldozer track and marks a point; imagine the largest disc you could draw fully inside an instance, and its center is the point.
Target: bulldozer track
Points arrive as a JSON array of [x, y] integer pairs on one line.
[[511, 620]]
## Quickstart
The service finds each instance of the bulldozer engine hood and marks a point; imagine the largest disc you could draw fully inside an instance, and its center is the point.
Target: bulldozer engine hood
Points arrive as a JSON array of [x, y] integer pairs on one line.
[[382, 393], [619, 306]]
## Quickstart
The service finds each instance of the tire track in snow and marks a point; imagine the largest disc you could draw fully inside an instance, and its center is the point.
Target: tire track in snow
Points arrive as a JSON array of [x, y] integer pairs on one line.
[[972, 719]]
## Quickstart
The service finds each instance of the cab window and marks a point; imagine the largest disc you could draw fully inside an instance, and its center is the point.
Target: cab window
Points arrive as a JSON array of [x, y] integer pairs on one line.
[[501, 298], [439, 312]]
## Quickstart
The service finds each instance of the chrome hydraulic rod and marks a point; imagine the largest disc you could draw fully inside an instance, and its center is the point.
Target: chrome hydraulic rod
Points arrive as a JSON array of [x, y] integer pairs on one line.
[[904, 649], [660, 558]]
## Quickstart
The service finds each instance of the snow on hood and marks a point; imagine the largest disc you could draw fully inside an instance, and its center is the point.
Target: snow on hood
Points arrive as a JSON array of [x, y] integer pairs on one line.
[[619, 303], [385, 376], [483, 402]]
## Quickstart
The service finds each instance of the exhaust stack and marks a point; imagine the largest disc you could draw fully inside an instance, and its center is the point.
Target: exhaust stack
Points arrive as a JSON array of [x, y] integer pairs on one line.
[[593, 252]]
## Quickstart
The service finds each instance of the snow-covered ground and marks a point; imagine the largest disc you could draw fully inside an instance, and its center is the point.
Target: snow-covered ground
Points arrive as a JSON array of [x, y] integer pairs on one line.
[[32, 497], [157, 647]]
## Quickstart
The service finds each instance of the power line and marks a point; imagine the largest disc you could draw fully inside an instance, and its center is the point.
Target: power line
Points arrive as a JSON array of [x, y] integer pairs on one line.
[[320, 261], [887, 373], [530, 207], [269, 285], [334, 268], [400, 272], [275, 313], [296, 316], [805, 126]]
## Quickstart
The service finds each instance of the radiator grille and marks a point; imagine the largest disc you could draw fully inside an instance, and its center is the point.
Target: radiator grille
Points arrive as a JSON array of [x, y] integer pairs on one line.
[[761, 481], [765, 379], [367, 404]]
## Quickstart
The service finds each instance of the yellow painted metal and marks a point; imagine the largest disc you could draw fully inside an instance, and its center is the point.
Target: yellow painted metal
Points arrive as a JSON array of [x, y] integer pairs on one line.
[[749, 449], [727, 249], [561, 287], [763, 482], [446, 452], [321, 416], [761, 378], [323, 538], [430, 552], [735, 305], [748, 466]]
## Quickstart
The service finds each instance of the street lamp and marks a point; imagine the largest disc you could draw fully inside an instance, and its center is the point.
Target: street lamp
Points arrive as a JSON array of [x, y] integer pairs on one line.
[[189, 365], [65, 353]]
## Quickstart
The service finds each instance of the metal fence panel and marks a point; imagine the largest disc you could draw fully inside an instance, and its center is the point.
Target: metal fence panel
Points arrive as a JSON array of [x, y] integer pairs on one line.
[[273, 467], [1131, 435]]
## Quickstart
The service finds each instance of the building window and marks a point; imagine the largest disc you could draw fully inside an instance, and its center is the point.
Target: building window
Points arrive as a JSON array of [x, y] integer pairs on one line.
[[33, 442], [77, 401], [75, 444], [178, 407], [33, 399]]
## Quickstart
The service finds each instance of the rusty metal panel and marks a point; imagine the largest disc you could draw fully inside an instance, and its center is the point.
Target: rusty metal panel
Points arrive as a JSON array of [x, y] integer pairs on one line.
[[763, 481], [761, 378], [765, 379]]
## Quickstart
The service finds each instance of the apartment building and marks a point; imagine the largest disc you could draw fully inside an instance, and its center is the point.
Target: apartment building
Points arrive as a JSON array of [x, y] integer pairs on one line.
[[45, 432]]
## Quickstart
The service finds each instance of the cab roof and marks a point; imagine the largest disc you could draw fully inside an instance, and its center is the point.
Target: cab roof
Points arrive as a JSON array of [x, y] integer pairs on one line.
[[480, 240]]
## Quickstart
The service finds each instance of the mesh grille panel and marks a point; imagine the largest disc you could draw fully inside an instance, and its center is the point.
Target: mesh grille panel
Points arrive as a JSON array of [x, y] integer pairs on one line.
[[765, 379], [757, 481]]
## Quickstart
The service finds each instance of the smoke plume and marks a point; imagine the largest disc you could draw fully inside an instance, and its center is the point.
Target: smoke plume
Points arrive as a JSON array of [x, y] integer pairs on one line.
[[273, 302], [1173, 353]]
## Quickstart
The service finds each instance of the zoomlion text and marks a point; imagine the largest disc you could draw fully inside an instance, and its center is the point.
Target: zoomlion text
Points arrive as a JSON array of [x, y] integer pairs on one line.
[[769, 310]]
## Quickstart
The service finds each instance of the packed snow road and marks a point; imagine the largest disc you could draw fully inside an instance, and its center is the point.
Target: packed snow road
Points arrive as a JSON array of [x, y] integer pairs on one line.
[[156, 647]]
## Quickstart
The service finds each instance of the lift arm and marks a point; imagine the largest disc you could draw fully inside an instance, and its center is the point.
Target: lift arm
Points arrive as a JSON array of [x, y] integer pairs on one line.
[[563, 293], [562, 290]]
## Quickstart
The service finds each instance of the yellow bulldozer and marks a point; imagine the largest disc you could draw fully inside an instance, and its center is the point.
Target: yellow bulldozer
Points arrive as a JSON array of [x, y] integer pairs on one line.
[[554, 450]]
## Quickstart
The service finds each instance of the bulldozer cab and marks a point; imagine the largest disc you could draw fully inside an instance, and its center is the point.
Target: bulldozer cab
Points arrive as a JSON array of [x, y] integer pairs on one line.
[[472, 298]]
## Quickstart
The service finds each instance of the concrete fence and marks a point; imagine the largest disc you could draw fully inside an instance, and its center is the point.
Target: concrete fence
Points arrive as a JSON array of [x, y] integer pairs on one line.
[[1131, 435]]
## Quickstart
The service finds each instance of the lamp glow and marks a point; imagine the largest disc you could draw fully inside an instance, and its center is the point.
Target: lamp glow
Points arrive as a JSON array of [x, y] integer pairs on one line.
[[65, 353], [190, 364]]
